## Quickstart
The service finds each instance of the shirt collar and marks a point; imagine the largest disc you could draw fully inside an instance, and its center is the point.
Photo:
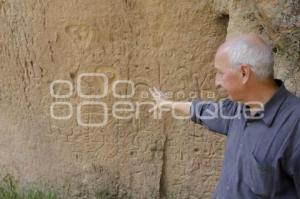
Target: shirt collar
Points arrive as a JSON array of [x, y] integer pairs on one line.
[[272, 107]]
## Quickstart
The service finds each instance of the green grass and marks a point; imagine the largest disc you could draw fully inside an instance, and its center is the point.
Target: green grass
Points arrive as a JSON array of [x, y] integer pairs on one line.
[[9, 190], [105, 195]]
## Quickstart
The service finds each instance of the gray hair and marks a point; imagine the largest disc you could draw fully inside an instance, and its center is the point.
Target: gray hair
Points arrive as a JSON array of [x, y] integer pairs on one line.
[[258, 54]]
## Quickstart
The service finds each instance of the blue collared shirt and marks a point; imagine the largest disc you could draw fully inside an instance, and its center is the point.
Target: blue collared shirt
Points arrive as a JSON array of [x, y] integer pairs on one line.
[[262, 155]]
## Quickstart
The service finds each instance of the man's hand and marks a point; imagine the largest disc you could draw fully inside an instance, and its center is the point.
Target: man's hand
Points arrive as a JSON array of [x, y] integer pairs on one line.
[[159, 97], [162, 100]]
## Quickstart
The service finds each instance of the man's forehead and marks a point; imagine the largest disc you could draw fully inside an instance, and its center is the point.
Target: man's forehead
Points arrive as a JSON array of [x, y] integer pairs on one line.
[[221, 60], [222, 48], [221, 56]]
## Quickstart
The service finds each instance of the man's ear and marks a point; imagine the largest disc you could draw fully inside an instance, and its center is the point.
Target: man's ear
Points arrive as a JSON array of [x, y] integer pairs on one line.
[[245, 70]]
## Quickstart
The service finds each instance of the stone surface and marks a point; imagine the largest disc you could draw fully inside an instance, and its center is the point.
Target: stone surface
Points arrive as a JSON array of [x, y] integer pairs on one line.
[[168, 44]]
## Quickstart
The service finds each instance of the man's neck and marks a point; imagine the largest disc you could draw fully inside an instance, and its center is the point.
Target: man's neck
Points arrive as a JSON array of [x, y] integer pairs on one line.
[[261, 92]]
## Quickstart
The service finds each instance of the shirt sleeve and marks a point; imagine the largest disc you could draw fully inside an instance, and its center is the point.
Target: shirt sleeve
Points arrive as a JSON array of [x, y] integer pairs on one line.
[[215, 116]]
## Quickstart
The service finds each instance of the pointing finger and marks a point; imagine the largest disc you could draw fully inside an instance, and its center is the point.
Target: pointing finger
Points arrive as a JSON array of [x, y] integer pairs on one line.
[[152, 92], [153, 109]]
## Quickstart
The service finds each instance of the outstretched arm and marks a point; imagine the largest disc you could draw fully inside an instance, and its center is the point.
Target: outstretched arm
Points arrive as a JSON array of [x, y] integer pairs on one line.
[[215, 116], [162, 101]]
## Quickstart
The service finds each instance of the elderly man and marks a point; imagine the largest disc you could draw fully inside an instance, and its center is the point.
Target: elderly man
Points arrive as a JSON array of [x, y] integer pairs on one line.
[[260, 118]]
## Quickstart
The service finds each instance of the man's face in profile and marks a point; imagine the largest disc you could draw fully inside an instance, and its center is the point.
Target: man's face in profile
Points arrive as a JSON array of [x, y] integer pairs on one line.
[[227, 77]]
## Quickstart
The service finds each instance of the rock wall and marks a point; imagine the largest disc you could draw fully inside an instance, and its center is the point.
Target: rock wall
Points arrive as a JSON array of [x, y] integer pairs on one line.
[[46, 46]]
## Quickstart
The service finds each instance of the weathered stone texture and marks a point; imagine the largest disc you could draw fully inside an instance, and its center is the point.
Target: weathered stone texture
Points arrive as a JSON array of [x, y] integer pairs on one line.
[[169, 44]]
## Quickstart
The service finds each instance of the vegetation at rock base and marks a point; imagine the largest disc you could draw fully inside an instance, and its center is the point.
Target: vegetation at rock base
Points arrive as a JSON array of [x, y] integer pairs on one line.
[[9, 190]]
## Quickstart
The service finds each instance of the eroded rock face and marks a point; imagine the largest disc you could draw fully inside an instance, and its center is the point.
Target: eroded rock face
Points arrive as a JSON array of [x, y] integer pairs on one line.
[[167, 44]]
